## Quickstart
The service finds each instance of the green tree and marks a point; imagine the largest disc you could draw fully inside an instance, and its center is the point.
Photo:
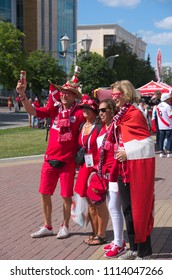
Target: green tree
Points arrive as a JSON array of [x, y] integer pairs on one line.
[[145, 72], [94, 71], [166, 75], [12, 57], [41, 67], [128, 67]]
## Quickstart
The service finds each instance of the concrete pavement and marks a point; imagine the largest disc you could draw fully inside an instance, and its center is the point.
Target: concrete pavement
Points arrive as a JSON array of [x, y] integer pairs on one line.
[[21, 214], [11, 119]]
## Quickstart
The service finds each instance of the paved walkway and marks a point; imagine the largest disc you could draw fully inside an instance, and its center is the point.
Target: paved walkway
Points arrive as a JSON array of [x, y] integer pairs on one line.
[[21, 214], [11, 119]]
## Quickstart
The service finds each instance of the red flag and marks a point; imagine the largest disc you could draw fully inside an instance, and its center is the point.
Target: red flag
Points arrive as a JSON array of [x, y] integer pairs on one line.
[[54, 96], [139, 147], [159, 65], [75, 78]]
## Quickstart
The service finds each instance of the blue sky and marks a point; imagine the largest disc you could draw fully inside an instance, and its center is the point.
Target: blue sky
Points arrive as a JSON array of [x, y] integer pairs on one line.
[[149, 19]]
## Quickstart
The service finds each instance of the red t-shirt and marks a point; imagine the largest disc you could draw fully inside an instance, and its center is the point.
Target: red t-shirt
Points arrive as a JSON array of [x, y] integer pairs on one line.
[[63, 151]]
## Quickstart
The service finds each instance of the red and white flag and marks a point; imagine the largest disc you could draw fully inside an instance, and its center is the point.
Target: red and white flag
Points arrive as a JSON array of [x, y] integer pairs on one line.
[[159, 65], [54, 96], [139, 147]]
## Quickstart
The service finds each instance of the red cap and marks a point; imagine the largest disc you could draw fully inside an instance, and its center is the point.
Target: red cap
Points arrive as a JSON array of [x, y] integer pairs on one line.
[[97, 188]]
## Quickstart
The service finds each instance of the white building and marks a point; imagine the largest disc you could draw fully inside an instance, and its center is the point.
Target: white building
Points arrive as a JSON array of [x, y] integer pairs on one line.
[[104, 35]]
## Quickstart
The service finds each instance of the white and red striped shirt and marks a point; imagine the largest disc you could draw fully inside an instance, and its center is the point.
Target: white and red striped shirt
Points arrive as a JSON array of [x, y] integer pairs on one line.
[[164, 115]]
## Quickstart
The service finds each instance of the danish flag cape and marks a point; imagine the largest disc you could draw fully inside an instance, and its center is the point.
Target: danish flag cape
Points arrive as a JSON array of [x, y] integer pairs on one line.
[[139, 147]]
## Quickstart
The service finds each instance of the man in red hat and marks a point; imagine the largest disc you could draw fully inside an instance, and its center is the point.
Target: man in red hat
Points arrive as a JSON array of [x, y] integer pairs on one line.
[[66, 118]]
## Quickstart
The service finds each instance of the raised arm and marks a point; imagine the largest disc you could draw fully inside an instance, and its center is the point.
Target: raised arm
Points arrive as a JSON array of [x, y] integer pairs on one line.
[[20, 88]]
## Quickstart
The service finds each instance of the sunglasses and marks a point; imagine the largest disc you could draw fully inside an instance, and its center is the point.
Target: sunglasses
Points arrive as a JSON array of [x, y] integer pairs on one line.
[[103, 110], [117, 94], [66, 94]]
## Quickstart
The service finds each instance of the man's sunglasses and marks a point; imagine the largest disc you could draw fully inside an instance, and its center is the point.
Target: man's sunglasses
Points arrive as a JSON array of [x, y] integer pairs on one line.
[[103, 110]]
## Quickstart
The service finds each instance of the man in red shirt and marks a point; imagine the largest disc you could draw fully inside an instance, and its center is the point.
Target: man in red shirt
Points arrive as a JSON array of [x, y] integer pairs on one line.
[[66, 118]]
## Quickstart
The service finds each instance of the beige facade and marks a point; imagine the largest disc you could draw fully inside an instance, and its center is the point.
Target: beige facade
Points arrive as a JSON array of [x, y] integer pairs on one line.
[[104, 35]]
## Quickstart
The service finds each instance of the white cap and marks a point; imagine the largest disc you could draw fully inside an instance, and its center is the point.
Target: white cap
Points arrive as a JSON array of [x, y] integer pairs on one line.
[[165, 96]]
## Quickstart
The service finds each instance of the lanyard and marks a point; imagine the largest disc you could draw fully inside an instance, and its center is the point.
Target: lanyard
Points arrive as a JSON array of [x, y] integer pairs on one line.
[[88, 139]]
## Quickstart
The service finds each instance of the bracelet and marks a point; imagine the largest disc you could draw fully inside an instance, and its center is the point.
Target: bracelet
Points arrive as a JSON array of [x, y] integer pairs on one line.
[[22, 98]]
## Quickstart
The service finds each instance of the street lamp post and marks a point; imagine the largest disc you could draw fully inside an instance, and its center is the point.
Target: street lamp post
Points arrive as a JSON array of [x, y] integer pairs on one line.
[[65, 43], [110, 60]]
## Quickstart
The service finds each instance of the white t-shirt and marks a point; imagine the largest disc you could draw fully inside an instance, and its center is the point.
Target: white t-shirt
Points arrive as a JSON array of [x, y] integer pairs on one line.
[[164, 111]]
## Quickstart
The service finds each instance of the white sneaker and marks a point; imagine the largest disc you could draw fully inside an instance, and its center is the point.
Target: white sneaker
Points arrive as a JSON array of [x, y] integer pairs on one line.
[[169, 155], [161, 155], [144, 258], [43, 231], [129, 255], [63, 232]]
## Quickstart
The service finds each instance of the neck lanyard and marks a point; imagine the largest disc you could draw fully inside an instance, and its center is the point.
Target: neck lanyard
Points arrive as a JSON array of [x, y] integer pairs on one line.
[[88, 139]]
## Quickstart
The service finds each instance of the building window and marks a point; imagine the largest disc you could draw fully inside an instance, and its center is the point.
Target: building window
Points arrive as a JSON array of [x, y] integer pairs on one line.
[[109, 40], [5, 10], [19, 23], [66, 25], [43, 24], [50, 24]]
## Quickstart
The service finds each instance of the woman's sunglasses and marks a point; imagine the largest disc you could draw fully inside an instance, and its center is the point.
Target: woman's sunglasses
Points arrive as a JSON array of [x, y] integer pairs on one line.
[[103, 110]]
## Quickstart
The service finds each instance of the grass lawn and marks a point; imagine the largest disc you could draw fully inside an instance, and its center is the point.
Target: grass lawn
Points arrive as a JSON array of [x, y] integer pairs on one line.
[[22, 141]]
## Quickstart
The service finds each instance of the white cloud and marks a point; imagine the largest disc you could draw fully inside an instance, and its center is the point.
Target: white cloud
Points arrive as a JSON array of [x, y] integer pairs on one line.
[[164, 38], [165, 23], [120, 3]]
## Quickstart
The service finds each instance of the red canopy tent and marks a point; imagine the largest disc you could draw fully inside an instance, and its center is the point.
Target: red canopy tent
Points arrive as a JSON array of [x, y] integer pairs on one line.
[[150, 88], [166, 85]]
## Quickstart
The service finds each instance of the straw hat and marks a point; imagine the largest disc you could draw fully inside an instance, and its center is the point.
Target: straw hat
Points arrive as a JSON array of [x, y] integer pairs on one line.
[[71, 87]]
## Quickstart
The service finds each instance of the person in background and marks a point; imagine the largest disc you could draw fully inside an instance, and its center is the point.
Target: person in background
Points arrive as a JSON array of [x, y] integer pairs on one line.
[[164, 117], [143, 107], [155, 100], [18, 103], [59, 162], [35, 119], [10, 103], [30, 116], [136, 175]]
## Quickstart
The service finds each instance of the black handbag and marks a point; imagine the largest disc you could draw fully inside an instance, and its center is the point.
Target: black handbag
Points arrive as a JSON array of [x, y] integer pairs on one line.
[[79, 157], [56, 163]]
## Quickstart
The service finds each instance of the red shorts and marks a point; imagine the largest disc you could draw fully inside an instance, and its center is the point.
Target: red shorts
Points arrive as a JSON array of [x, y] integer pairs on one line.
[[50, 176]]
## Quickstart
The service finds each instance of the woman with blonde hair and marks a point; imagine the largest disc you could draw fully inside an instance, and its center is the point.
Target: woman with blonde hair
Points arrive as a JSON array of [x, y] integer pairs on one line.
[[136, 155]]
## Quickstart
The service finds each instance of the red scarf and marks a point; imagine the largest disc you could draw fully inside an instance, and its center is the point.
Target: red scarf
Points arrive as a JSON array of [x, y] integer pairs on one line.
[[109, 139], [63, 123]]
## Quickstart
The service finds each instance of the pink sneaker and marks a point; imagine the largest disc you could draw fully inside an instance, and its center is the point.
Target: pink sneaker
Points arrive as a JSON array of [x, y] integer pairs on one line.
[[111, 245], [115, 251]]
